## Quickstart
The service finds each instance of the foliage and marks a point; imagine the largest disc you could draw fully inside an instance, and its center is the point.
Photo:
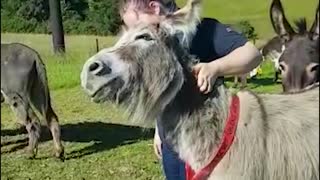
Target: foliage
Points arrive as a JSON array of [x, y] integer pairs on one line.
[[97, 143], [247, 30], [98, 17]]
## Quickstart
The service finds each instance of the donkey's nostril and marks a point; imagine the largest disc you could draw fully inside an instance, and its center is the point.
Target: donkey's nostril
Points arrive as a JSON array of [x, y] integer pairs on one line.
[[94, 66], [99, 68]]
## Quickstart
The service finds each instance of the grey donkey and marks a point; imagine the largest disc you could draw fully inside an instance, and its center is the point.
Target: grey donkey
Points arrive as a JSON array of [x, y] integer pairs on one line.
[[149, 72], [24, 87], [299, 59]]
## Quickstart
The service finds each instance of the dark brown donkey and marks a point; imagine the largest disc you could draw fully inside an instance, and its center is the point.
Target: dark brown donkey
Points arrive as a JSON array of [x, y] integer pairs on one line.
[[24, 86], [299, 62]]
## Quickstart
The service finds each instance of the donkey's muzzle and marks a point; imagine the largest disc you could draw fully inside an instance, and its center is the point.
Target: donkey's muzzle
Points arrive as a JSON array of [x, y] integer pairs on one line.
[[94, 75]]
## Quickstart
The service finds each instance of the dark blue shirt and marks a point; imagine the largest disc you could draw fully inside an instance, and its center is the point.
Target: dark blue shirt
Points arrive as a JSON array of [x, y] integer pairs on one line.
[[212, 40]]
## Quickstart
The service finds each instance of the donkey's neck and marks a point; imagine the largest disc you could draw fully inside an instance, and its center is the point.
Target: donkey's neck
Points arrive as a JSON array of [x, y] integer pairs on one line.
[[193, 123]]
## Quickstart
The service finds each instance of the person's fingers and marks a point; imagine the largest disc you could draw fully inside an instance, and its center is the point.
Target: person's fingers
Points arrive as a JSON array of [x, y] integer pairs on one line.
[[196, 69], [157, 150], [204, 85], [208, 88], [210, 85], [157, 145], [200, 80]]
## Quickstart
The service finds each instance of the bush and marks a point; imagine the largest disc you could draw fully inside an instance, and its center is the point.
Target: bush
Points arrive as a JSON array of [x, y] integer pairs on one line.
[[99, 17], [245, 28], [36, 10], [20, 25], [104, 17]]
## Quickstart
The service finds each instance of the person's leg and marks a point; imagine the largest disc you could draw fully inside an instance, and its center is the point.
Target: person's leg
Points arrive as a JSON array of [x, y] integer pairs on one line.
[[173, 166]]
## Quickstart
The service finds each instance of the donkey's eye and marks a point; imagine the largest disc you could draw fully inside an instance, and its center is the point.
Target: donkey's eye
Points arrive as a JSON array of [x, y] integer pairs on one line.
[[145, 36], [281, 68]]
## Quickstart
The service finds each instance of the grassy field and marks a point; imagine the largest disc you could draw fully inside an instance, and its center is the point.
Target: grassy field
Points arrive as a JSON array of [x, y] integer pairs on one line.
[[256, 12], [100, 142]]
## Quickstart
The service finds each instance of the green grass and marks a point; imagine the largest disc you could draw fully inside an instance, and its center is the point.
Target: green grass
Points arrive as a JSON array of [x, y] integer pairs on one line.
[[64, 71], [99, 141], [96, 148], [256, 12]]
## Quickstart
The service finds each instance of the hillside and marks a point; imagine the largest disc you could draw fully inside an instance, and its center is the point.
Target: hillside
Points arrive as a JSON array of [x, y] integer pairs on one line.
[[256, 12]]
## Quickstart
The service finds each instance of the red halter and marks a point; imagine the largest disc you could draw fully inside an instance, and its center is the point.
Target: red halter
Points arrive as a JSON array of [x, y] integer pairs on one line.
[[226, 142]]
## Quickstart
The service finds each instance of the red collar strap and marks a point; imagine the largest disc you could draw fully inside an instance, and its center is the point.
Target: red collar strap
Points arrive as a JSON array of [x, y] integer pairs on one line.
[[226, 141]]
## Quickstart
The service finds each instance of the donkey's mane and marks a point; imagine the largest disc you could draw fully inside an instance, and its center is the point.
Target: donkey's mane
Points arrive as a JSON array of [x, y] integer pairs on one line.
[[301, 25], [189, 87]]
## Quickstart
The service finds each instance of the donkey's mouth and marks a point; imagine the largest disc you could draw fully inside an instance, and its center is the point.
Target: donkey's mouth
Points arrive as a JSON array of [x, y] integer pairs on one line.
[[108, 91]]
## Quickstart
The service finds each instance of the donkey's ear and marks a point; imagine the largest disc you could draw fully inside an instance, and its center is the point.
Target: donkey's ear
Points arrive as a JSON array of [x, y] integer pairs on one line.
[[314, 31], [185, 20], [188, 14], [279, 21]]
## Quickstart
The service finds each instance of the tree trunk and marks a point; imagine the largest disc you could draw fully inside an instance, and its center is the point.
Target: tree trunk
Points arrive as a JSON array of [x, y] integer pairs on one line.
[[56, 27]]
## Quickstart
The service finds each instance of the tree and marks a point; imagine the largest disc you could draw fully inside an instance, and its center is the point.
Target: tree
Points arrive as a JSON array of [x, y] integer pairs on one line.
[[56, 27], [96, 17]]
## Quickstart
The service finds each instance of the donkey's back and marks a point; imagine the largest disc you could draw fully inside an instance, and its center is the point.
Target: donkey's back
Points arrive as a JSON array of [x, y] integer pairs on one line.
[[296, 141], [24, 86], [23, 74], [17, 63], [285, 129]]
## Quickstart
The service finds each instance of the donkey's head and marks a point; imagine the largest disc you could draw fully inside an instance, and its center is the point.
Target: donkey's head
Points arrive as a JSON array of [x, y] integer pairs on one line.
[[299, 62], [146, 68]]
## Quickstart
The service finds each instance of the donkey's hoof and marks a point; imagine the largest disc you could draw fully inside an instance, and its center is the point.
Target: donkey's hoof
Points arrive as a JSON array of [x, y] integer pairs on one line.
[[32, 152], [62, 158], [31, 156], [60, 155]]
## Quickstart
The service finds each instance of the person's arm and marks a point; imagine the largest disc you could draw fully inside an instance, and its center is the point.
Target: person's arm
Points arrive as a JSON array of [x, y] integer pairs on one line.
[[240, 61], [237, 56]]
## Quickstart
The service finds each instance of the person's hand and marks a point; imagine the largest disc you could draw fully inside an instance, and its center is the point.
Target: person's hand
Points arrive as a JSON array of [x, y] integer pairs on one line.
[[206, 75], [157, 145]]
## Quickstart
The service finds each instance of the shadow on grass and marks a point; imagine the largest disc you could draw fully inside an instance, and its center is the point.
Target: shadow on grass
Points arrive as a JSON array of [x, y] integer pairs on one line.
[[16, 147], [104, 136]]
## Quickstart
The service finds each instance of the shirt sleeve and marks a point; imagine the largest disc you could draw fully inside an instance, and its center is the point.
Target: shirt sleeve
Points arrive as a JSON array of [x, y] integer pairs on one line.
[[225, 39]]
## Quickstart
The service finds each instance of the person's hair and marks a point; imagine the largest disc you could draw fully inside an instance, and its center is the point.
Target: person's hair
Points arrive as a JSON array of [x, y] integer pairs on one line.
[[167, 6]]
